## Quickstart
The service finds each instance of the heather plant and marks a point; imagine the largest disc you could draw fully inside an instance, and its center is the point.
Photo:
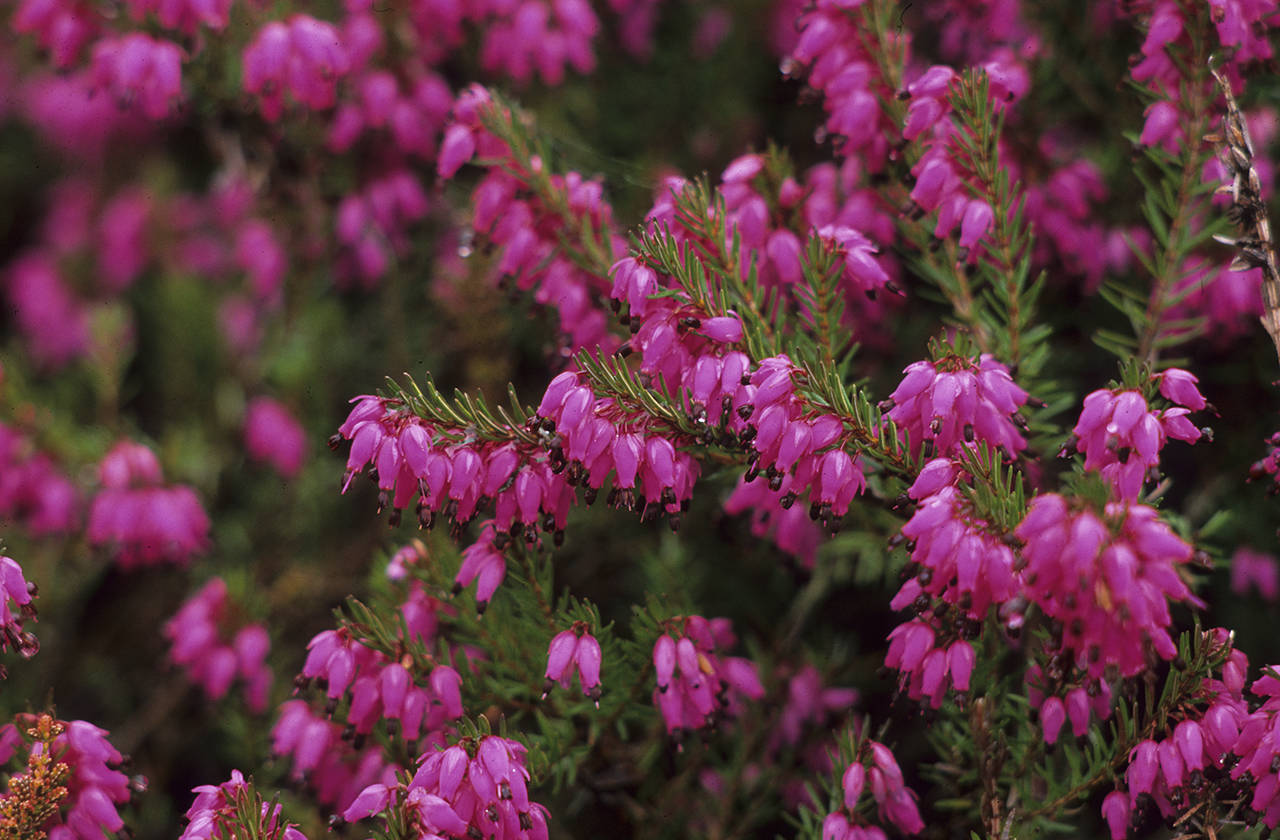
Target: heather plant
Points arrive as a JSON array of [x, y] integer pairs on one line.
[[837, 419]]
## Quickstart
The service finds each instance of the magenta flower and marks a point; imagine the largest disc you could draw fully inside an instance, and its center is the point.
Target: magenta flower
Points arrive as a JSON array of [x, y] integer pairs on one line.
[[542, 38], [926, 665], [218, 810], [139, 521], [953, 402], [1179, 386], [484, 563], [139, 71], [95, 787], [273, 435], [61, 28], [696, 686], [1108, 580], [960, 561], [476, 786], [1255, 569], [1115, 810], [895, 802], [213, 659], [53, 321], [259, 253], [16, 607], [373, 225], [33, 491], [1121, 437], [122, 239], [303, 56], [335, 769], [861, 269], [186, 16], [574, 647], [381, 688]]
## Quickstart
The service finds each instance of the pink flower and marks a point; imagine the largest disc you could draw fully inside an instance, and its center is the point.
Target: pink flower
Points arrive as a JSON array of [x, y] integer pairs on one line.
[[1179, 386], [1255, 569], [259, 253], [472, 785], [95, 785], [690, 675], [138, 520], [62, 28], [483, 563], [53, 321], [273, 435], [953, 402], [186, 16], [1108, 580], [304, 56], [140, 71], [1115, 810], [574, 647], [1121, 437], [200, 644], [218, 811]]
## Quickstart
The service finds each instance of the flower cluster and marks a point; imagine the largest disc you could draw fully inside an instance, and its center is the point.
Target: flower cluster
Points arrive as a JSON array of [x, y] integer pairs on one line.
[[478, 786], [951, 402], [273, 435], [381, 688], [412, 117], [137, 519], [139, 72], [186, 16], [1252, 569], [840, 65], [955, 556], [895, 802], [1121, 437], [70, 785], [959, 560], [46, 311], [926, 664], [522, 213], [1060, 694], [372, 225], [1106, 580], [809, 704], [798, 451], [33, 491], [1268, 465], [577, 648], [302, 56], [63, 29], [523, 219], [1199, 747], [1241, 30], [16, 590], [696, 686], [217, 811], [1258, 746], [197, 635], [112, 239], [766, 214], [541, 37], [333, 767], [586, 440]]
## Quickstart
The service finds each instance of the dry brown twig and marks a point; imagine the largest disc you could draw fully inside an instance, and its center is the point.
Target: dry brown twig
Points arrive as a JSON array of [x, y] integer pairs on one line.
[[1254, 246]]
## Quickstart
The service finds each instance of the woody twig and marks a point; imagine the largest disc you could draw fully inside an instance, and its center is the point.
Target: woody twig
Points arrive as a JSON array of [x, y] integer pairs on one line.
[[1254, 246]]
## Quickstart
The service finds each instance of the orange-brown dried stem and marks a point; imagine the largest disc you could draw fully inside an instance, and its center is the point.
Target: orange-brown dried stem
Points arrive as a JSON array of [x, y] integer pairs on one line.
[[33, 797]]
